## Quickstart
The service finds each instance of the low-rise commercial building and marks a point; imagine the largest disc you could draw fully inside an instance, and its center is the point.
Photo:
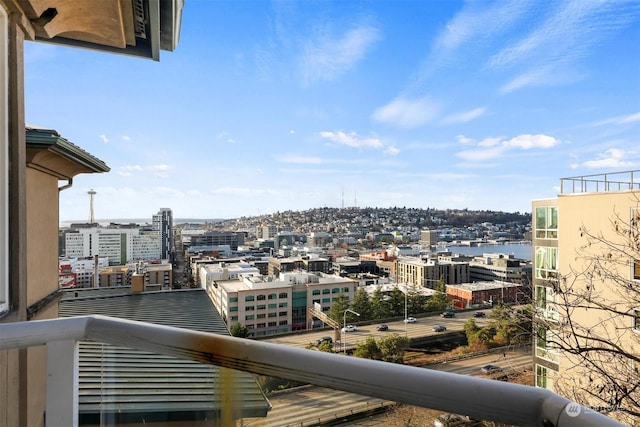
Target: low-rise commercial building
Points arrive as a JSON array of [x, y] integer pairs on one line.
[[477, 294], [269, 305]]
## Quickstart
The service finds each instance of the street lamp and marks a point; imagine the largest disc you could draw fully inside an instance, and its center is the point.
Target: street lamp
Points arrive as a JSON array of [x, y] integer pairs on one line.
[[344, 330], [405, 311]]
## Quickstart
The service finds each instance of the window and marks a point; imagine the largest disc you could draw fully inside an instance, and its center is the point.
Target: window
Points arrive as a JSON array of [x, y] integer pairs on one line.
[[636, 319], [234, 308], [234, 318], [260, 316], [272, 296], [261, 297], [316, 292], [546, 348], [636, 269], [545, 377], [273, 323], [547, 222], [541, 376], [326, 300], [261, 307], [282, 323], [546, 262], [326, 291], [249, 308], [282, 304], [274, 305], [261, 325], [274, 314], [345, 289], [249, 298], [249, 317], [283, 295], [335, 290], [546, 303], [316, 301], [233, 299], [282, 313]]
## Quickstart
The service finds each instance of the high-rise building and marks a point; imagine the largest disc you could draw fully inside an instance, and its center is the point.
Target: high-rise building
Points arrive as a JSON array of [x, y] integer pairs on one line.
[[162, 222], [586, 275]]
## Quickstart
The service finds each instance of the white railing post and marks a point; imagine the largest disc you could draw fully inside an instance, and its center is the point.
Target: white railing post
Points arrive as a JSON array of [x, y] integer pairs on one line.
[[62, 383]]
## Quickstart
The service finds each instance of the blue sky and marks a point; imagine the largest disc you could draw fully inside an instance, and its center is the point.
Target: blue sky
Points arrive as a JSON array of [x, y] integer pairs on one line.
[[274, 106]]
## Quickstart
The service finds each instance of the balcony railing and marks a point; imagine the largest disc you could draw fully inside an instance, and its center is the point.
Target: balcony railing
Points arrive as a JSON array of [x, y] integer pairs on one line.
[[477, 397], [617, 181]]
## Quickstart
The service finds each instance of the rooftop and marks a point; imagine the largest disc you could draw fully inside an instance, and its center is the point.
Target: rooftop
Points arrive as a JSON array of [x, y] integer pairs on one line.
[[616, 181]]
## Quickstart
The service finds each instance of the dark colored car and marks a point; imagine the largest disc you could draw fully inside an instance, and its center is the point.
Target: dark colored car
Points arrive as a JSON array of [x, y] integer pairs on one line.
[[382, 327], [479, 314], [324, 339], [490, 369], [448, 314], [439, 328]]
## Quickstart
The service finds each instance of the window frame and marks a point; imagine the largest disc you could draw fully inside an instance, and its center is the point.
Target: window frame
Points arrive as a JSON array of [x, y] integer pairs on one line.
[[635, 320], [546, 220], [545, 262], [4, 164]]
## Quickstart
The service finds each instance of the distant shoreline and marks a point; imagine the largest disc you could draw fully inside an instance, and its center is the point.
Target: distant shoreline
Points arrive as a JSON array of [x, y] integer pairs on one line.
[[140, 221]]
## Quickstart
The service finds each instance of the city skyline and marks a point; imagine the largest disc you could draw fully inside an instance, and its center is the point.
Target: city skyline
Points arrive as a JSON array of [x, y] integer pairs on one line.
[[275, 106]]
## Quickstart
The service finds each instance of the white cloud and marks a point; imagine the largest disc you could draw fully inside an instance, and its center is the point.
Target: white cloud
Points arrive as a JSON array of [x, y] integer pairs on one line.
[[407, 113], [612, 158], [492, 148], [392, 150], [157, 170], [352, 140], [126, 138], [464, 140], [481, 155], [104, 138], [327, 57], [465, 116], [619, 120], [292, 132], [490, 142], [538, 77], [528, 141]]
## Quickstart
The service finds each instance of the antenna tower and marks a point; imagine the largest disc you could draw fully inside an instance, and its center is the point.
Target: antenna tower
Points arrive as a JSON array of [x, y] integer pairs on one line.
[[91, 193]]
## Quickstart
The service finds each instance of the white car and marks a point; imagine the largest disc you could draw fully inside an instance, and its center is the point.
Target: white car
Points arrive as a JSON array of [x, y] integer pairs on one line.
[[410, 320], [349, 328]]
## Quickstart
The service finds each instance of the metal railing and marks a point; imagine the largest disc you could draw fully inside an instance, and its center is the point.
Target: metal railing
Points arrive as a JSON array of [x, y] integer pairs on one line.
[[617, 181], [479, 398]]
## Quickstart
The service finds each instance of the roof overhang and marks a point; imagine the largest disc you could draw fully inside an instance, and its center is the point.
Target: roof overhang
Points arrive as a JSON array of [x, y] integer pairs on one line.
[[133, 27], [49, 152]]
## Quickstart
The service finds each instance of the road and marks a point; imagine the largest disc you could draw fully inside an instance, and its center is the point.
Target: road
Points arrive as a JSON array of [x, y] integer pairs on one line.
[[307, 406], [421, 328]]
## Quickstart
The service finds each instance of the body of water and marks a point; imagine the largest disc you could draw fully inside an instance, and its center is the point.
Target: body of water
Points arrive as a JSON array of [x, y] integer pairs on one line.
[[522, 251]]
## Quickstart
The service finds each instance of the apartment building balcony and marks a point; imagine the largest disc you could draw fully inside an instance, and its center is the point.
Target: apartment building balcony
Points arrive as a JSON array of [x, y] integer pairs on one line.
[[616, 181], [479, 398]]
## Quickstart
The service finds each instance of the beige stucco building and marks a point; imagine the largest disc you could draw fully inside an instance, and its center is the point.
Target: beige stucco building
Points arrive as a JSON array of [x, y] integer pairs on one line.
[[33, 173], [269, 305], [586, 272], [427, 273]]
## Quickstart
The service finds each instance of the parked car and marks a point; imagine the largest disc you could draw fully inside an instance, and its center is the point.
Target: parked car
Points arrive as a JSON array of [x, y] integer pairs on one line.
[[448, 314], [490, 369], [439, 328], [324, 339], [451, 420], [382, 327], [479, 314], [349, 328], [410, 320]]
